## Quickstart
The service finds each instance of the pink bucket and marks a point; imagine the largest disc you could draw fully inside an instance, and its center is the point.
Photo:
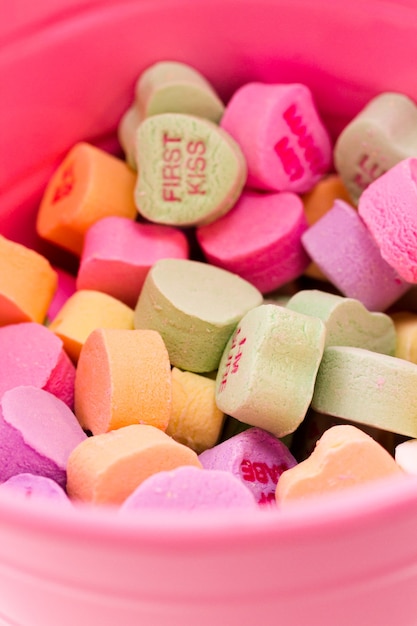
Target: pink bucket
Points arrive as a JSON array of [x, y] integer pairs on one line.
[[67, 71]]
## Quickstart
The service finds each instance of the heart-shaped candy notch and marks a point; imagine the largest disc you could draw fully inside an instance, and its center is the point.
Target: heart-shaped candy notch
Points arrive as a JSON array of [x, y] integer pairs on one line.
[[344, 456], [380, 136]]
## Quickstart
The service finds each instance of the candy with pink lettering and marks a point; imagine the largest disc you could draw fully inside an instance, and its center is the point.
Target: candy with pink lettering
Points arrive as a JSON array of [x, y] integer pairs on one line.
[[118, 253], [388, 208], [191, 171], [255, 457], [346, 252], [37, 434], [259, 239], [31, 354], [286, 146], [267, 373], [190, 488], [379, 137]]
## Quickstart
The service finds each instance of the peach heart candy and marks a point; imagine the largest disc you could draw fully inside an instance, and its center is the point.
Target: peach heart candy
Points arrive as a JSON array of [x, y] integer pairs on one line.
[[107, 468], [31, 486], [388, 208], [118, 253], [189, 488], [191, 171], [259, 239], [348, 322], [123, 377], [27, 284], [368, 388], [32, 355], [172, 87], [255, 457], [268, 369], [195, 419], [85, 311], [37, 433], [195, 307], [343, 457], [346, 252], [379, 137], [89, 184], [285, 143]]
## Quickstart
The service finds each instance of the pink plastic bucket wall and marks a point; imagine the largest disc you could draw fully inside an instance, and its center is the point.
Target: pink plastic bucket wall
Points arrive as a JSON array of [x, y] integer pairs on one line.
[[67, 71]]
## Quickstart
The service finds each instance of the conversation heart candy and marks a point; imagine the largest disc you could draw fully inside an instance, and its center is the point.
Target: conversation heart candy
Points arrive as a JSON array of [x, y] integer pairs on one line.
[[267, 372], [173, 87], [37, 433], [123, 377], [348, 322], [195, 307], [85, 311], [89, 184], [346, 252], [33, 355], [387, 207], [343, 458], [255, 457], [195, 419], [259, 239], [118, 254], [126, 131], [107, 468], [369, 388], [315, 424], [66, 287], [190, 171], [283, 139], [405, 323], [32, 486], [27, 284], [379, 137], [316, 204], [189, 488]]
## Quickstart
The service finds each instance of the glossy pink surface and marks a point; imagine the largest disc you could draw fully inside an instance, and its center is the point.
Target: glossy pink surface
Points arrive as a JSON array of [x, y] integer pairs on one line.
[[67, 72]]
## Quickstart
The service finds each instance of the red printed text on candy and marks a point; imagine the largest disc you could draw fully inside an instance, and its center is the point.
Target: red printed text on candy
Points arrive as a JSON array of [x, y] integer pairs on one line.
[[233, 357], [183, 168], [288, 156], [261, 472], [367, 172], [267, 498], [66, 184]]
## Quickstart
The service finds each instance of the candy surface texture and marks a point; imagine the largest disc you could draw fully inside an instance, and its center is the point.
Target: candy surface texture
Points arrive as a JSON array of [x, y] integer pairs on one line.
[[189, 488], [255, 457]]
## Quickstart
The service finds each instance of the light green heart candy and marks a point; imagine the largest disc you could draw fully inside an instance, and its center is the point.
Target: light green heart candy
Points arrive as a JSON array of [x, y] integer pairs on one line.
[[195, 307], [172, 87], [348, 321], [191, 172]]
